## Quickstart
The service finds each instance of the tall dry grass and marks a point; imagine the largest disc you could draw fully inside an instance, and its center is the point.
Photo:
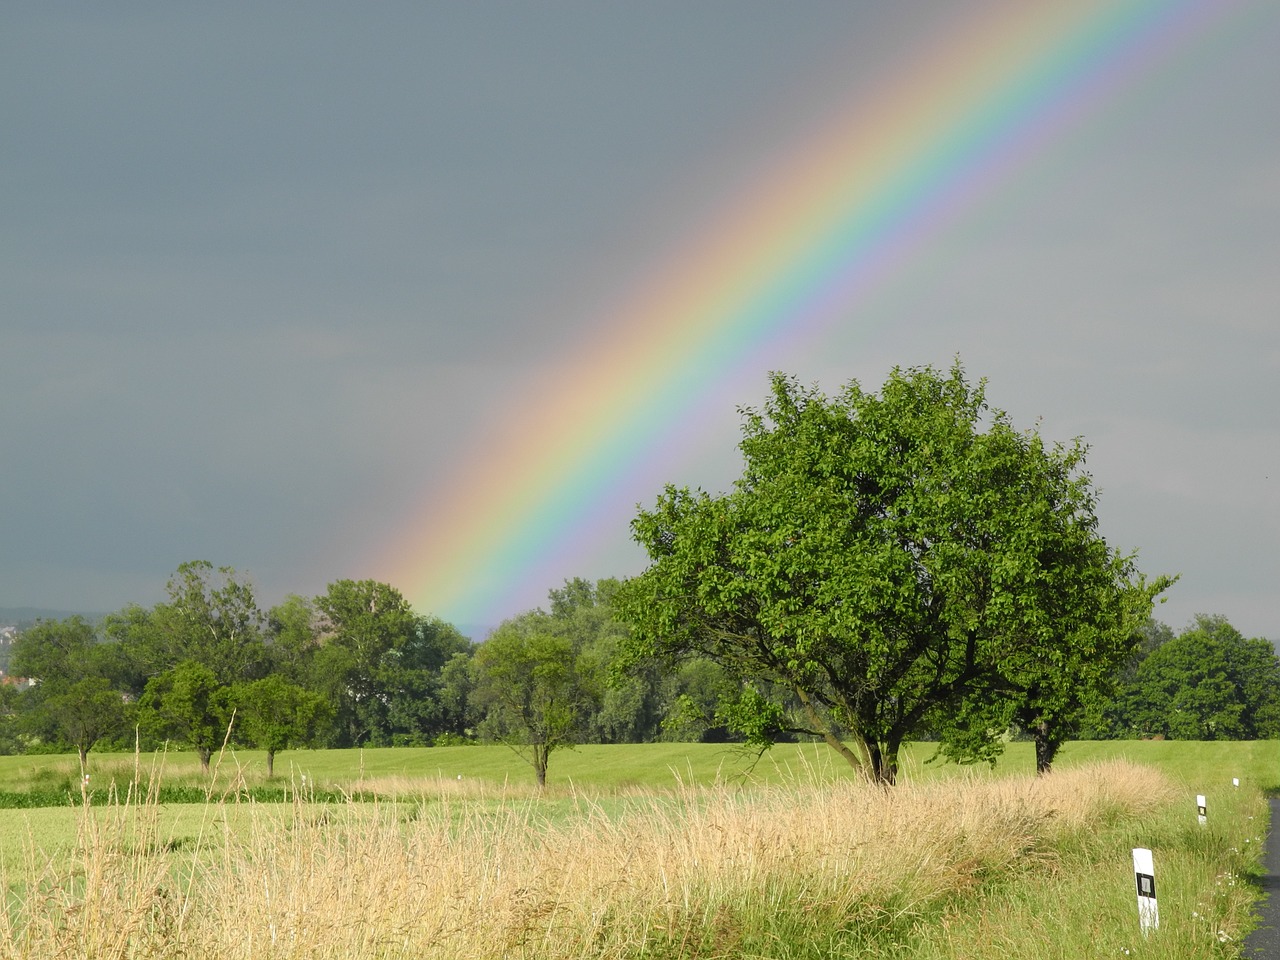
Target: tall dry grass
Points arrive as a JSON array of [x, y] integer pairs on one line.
[[717, 872]]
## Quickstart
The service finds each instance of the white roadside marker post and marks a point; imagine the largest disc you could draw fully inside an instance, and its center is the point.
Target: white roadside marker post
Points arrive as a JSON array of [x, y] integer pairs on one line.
[[1202, 813], [1145, 875]]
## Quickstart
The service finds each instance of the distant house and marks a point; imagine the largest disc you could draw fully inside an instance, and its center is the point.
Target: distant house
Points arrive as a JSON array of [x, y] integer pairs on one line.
[[20, 683]]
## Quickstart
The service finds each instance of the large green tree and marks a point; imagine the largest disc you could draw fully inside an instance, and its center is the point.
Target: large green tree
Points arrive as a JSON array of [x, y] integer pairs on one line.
[[1208, 683], [419, 706], [293, 637], [457, 712], [363, 623], [628, 708], [56, 649], [1111, 717], [210, 616], [888, 561], [381, 664]]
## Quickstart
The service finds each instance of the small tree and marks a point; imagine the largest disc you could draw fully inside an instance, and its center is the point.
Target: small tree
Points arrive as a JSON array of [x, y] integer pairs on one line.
[[188, 704], [528, 683], [74, 701], [85, 712], [10, 721], [274, 715]]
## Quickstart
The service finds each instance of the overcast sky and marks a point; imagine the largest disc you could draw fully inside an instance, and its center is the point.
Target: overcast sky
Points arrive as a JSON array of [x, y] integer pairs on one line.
[[266, 271]]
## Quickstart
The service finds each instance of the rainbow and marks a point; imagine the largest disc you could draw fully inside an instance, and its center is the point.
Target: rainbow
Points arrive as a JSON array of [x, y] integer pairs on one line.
[[798, 252]]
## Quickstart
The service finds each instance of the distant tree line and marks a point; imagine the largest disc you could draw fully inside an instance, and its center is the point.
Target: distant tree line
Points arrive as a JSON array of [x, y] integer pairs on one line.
[[1206, 683], [353, 666], [356, 666]]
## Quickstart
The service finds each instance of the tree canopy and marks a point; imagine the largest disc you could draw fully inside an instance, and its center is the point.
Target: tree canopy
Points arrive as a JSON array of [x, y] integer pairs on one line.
[[578, 674], [897, 564], [1207, 683], [211, 617], [380, 664]]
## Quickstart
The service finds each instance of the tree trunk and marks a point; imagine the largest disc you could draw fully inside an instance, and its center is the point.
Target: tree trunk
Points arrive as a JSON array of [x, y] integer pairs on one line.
[[884, 763], [271, 763], [1046, 747], [84, 762], [204, 753], [842, 748], [839, 746], [541, 754]]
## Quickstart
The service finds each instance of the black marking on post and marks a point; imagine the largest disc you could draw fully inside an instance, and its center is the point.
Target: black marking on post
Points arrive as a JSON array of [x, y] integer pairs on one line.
[[1146, 885]]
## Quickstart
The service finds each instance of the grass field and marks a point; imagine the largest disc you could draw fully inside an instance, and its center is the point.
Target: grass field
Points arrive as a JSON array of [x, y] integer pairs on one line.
[[663, 850], [658, 765]]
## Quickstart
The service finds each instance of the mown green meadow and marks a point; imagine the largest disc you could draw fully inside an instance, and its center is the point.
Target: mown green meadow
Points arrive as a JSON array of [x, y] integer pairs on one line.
[[619, 767], [658, 850]]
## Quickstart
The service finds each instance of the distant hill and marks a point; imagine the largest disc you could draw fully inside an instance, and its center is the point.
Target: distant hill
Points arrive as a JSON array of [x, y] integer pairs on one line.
[[22, 616]]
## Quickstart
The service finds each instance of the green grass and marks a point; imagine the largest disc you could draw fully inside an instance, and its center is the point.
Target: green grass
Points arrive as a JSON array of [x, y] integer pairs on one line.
[[654, 765], [1193, 762]]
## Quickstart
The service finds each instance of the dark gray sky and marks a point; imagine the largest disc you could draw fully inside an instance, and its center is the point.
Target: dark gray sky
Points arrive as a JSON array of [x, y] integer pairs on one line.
[[265, 270]]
